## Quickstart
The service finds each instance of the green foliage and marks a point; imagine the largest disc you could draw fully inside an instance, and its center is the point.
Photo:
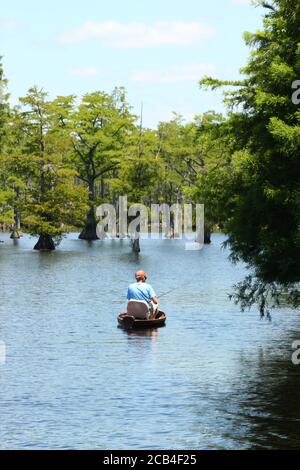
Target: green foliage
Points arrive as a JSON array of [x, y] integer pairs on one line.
[[6, 212], [4, 105], [51, 198], [100, 128], [6, 196], [138, 171], [262, 213], [214, 147]]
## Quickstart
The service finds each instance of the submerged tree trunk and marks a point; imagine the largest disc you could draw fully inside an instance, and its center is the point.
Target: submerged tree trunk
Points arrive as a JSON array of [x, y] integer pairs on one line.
[[90, 230], [207, 236], [135, 235], [136, 246], [45, 243], [170, 233], [16, 234]]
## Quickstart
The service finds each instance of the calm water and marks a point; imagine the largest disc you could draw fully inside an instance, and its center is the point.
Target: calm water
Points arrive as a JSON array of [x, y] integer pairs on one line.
[[214, 378]]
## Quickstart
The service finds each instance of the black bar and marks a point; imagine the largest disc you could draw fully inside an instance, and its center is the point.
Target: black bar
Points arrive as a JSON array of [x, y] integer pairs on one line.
[[134, 459]]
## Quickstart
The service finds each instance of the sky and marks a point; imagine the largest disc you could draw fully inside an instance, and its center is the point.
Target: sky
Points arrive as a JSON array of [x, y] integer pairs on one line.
[[158, 50]]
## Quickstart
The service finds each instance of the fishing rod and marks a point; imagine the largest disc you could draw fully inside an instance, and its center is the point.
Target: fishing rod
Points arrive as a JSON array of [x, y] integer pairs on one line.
[[166, 293], [182, 286]]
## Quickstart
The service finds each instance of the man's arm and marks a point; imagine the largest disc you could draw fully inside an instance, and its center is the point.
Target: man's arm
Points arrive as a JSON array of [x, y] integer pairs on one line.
[[152, 295]]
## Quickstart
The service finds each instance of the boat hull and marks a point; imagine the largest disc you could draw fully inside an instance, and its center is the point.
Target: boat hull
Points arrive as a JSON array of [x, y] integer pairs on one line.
[[128, 322]]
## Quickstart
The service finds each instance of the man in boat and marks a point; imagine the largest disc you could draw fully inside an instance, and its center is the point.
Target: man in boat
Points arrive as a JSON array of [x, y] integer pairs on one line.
[[142, 291]]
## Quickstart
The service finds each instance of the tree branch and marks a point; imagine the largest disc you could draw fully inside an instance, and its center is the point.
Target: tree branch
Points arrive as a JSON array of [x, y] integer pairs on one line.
[[106, 170]]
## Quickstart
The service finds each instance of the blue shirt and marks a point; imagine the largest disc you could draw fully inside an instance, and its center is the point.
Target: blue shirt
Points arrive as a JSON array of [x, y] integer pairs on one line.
[[140, 291]]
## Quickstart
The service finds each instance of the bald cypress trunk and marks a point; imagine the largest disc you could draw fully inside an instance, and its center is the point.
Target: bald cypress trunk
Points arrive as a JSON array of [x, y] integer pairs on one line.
[[45, 243], [16, 234], [207, 236], [90, 230], [136, 246]]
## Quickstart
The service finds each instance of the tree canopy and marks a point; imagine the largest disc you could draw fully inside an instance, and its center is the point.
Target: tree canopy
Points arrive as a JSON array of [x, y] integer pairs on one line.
[[263, 199]]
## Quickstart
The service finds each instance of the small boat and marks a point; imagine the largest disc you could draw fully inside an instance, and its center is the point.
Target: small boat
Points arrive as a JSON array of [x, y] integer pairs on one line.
[[129, 322]]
